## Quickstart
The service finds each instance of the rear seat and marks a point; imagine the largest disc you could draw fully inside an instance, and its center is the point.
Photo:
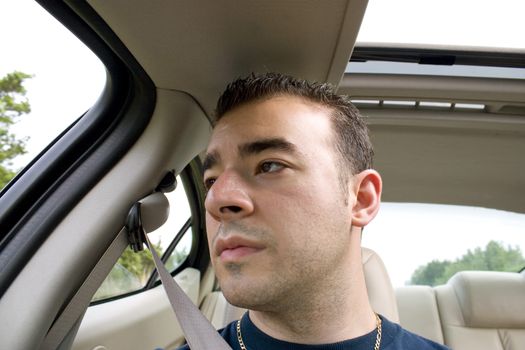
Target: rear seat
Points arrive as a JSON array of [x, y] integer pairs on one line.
[[483, 310], [418, 311], [378, 284]]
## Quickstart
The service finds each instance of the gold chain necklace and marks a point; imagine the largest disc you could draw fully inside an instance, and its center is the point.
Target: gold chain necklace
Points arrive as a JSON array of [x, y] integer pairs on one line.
[[376, 347]]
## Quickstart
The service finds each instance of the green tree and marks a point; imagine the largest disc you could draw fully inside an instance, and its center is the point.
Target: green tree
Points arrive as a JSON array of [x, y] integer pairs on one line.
[[139, 264], [429, 273], [495, 257], [130, 273], [13, 104], [133, 270]]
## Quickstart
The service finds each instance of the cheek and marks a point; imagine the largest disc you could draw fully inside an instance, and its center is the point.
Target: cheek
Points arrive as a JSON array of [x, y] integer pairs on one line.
[[212, 226], [306, 212], [305, 197], [290, 213]]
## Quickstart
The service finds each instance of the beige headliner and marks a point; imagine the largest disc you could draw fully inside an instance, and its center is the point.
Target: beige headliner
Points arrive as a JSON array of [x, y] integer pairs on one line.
[[442, 155], [198, 46]]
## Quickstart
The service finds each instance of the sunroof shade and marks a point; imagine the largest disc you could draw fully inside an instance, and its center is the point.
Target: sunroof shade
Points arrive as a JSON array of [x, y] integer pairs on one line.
[[480, 23]]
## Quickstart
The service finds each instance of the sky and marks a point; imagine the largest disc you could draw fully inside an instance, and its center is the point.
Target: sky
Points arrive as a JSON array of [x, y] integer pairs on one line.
[[68, 78], [484, 23]]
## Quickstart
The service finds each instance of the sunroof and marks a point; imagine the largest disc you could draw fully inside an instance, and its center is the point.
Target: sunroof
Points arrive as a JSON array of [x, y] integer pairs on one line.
[[479, 23], [401, 68]]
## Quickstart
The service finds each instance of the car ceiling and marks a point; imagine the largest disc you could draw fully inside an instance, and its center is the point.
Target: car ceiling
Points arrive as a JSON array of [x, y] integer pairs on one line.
[[446, 155], [430, 156], [199, 46]]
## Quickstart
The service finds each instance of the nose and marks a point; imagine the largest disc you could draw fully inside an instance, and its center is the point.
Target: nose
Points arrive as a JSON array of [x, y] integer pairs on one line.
[[228, 198]]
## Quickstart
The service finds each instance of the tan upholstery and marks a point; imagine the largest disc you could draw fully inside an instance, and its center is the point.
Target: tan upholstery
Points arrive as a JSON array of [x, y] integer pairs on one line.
[[378, 284], [418, 311], [483, 310], [380, 292]]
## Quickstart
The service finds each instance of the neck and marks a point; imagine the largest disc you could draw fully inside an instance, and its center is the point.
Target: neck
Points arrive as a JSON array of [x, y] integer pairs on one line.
[[333, 310]]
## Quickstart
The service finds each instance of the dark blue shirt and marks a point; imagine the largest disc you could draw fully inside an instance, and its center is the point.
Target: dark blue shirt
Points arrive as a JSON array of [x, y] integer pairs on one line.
[[393, 337]]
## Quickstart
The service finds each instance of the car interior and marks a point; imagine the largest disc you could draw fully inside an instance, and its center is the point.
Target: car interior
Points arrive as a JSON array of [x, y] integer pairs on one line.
[[447, 124]]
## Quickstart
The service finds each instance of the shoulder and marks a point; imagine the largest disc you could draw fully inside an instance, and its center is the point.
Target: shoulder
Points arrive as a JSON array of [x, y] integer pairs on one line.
[[400, 338], [409, 340], [227, 333]]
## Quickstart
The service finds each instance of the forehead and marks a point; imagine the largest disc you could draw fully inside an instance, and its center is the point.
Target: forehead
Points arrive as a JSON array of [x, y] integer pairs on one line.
[[291, 118]]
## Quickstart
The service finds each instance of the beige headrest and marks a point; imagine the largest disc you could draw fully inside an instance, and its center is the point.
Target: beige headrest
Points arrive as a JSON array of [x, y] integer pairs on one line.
[[380, 290], [490, 299]]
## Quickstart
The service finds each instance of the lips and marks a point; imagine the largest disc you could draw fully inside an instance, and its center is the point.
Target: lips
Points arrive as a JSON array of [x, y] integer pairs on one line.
[[235, 248]]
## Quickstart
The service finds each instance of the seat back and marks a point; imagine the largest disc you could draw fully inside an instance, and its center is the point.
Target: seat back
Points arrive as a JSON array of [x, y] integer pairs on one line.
[[379, 287], [483, 310], [380, 292], [418, 311]]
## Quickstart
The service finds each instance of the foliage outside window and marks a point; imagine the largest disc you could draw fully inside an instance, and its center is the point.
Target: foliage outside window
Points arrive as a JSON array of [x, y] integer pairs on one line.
[[13, 105], [422, 243], [45, 66], [495, 257]]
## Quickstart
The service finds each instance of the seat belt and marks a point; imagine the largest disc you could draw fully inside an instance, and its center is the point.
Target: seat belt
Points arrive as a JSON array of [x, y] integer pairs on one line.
[[145, 216], [199, 332], [80, 301]]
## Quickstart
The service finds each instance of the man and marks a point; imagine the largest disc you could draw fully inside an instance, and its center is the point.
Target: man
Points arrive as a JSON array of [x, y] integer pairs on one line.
[[290, 186]]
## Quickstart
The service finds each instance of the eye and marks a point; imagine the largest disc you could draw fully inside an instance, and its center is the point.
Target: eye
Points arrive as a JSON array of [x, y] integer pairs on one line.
[[208, 183], [270, 167]]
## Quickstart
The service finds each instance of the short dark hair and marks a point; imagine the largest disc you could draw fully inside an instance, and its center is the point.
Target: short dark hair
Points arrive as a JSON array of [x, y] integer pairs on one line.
[[352, 139]]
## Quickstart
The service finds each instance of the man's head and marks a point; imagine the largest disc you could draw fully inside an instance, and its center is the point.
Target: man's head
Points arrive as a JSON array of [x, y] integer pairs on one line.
[[351, 134], [277, 223]]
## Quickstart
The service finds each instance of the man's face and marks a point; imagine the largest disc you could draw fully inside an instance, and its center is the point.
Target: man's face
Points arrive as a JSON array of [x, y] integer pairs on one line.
[[276, 217]]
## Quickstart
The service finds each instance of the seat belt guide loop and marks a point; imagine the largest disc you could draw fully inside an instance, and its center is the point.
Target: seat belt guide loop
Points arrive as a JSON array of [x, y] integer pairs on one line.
[[135, 229]]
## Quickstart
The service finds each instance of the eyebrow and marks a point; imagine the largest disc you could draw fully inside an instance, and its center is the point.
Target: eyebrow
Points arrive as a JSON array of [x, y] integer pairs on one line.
[[210, 160], [252, 148], [258, 146]]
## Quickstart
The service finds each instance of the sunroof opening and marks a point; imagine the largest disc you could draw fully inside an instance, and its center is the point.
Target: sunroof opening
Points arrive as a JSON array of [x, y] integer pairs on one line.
[[466, 23]]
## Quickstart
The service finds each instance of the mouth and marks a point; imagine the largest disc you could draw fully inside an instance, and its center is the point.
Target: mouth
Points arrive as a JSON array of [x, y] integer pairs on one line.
[[234, 249], [237, 253]]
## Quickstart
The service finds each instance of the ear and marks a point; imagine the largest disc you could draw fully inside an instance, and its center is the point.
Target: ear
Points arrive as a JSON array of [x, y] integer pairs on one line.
[[367, 187]]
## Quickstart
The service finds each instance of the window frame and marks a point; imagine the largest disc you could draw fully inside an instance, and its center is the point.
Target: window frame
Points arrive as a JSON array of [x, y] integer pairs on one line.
[[37, 199]]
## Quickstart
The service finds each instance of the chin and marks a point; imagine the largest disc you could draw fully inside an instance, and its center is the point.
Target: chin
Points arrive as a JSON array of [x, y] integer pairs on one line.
[[237, 296], [243, 294]]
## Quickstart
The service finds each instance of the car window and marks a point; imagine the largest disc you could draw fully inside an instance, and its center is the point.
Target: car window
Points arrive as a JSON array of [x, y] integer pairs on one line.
[[173, 242], [43, 88], [426, 244]]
